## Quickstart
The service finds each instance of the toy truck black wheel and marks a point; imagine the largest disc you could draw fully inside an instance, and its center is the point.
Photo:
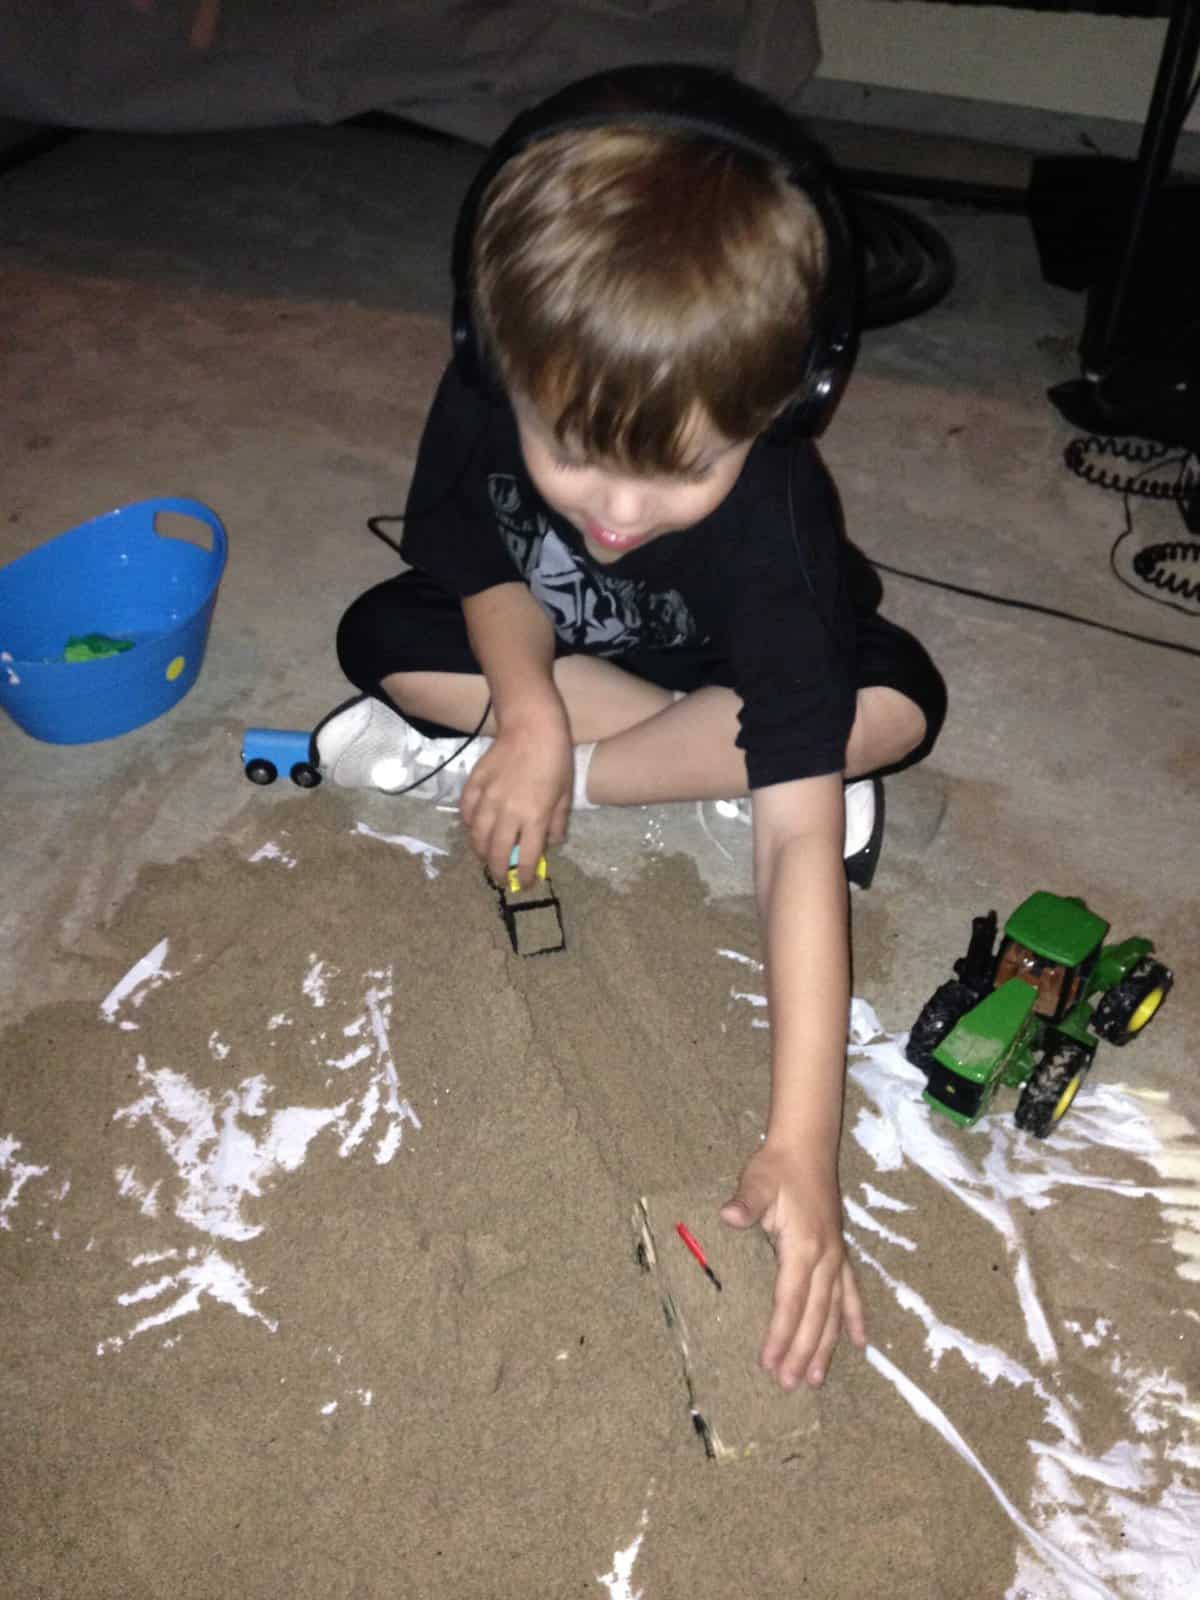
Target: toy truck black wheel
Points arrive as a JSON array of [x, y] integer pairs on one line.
[[1052, 1086], [305, 776], [1124, 1011], [938, 1015], [260, 771]]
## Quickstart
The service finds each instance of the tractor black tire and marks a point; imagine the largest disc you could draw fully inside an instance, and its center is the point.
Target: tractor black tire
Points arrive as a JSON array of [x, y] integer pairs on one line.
[[1124, 1011], [261, 771], [1052, 1086], [940, 1012]]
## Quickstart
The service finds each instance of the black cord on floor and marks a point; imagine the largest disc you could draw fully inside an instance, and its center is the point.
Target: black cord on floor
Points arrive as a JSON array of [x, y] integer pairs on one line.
[[376, 526], [1032, 605]]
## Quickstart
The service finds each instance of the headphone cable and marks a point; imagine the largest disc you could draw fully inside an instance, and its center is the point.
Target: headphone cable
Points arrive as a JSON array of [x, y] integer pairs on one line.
[[1032, 605], [376, 522], [453, 756], [376, 525]]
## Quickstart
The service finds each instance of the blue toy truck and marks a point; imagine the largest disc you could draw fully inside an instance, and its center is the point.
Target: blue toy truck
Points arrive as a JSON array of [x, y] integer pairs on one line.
[[268, 752]]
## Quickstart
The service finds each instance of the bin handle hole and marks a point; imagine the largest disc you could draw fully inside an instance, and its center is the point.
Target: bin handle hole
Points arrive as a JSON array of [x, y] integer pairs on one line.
[[178, 525]]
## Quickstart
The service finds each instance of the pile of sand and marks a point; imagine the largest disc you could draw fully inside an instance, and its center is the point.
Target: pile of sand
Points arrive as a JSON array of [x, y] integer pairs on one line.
[[319, 1277]]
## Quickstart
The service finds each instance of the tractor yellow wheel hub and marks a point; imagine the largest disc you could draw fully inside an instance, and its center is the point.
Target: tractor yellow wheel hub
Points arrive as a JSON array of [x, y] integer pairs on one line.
[[1068, 1094], [1146, 1010]]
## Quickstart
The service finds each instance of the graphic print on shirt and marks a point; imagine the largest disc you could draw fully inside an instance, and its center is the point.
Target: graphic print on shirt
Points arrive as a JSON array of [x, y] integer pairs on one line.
[[590, 610]]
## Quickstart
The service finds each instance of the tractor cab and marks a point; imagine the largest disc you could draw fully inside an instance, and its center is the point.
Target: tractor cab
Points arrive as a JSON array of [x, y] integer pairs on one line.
[[1057, 987], [1051, 943]]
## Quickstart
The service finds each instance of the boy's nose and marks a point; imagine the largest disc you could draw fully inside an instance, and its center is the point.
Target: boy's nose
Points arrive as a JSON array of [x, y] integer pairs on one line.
[[624, 506]]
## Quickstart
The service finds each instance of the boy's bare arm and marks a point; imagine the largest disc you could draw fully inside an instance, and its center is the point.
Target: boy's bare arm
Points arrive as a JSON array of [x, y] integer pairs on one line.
[[520, 791], [790, 1185]]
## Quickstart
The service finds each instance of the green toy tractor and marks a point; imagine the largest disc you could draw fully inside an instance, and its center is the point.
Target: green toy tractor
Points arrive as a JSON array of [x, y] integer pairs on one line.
[[1030, 1014]]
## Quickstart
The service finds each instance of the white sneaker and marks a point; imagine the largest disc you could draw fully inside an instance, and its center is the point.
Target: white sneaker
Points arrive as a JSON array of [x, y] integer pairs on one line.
[[734, 810], [864, 825], [864, 829], [860, 815], [367, 745]]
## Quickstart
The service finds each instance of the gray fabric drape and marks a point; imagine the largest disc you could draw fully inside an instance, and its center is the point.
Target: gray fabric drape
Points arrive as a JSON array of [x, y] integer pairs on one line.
[[464, 66]]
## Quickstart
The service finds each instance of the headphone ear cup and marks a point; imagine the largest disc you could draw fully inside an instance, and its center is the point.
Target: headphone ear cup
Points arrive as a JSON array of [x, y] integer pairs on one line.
[[471, 356], [830, 362], [808, 415], [463, 342]]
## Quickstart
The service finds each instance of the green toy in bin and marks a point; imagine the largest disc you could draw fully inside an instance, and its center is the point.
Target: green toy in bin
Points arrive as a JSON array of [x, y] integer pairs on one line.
[[121, 576]]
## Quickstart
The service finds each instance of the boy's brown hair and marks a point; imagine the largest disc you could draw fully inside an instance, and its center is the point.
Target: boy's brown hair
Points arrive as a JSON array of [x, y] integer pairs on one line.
[[626, 277]]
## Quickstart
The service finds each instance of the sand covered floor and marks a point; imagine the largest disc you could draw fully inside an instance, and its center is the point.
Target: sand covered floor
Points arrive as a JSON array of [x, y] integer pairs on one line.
[[319, 1277]]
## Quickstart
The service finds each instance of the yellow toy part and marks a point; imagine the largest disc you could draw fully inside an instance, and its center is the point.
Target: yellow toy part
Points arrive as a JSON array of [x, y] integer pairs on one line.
[[514, 882]]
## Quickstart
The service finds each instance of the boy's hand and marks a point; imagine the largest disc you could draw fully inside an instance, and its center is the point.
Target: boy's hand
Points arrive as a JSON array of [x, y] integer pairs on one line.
[[520, 792], [816, 1295]]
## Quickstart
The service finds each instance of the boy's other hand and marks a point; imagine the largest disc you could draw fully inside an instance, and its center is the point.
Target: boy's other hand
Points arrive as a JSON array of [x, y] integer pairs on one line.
[[816, 1295], [519, 793]]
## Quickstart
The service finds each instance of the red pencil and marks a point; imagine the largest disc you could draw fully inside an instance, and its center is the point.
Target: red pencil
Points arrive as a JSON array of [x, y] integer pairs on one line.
[[694, 1247]]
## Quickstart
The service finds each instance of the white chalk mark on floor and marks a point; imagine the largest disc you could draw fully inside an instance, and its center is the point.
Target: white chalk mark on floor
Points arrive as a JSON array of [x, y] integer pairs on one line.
[[207, 1273], [220, 1161], [405, 841], [618, 1582], [1083, 1583], [746, 961], [229, 1146], [142, 979], [274, 851], [16, 1174]]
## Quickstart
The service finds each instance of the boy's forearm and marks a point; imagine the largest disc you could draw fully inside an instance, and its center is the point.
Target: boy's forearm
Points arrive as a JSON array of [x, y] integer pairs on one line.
[[513, 641], [802, 897]]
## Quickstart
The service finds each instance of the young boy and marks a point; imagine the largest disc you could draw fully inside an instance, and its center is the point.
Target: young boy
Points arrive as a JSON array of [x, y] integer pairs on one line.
[[634, 596]]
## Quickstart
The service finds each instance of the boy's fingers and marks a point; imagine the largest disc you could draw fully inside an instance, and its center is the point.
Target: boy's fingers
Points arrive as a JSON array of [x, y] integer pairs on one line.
[[817, 1369], [749, 1204], [853, 1315], [531, 846], [737, 1213], [803, 1337], [468, 802], [559, 819], [792, 1293], [482, 840], [494, 842]]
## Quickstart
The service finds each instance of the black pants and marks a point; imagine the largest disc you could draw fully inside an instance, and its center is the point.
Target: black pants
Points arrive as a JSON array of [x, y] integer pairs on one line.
[[410, 624]]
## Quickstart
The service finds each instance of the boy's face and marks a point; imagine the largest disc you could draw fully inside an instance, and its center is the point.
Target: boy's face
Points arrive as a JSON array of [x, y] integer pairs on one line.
[[615, 511]]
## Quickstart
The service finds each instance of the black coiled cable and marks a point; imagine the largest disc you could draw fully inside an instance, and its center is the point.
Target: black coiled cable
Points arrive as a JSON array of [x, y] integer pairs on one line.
[[1080, 457], [1151, 565]]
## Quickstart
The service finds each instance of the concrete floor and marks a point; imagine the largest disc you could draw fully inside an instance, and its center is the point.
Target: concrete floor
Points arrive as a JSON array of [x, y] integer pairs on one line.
[[258, 321]]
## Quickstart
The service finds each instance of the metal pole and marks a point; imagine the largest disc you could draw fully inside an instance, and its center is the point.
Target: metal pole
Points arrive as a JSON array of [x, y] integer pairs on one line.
[[1100, 341]]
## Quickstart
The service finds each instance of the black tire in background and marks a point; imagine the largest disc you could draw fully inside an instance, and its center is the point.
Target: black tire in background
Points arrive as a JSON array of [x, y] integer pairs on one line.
[[907, 265]]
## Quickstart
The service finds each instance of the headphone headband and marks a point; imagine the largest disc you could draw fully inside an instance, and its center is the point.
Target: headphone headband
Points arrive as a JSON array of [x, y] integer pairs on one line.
[[708, 104]]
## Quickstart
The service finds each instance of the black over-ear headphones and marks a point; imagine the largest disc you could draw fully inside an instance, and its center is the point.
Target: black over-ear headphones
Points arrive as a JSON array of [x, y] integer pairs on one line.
[[712, 104]]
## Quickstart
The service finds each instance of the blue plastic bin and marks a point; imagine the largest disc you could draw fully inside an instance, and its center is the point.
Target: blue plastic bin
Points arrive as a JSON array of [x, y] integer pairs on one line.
[[116, 575]]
